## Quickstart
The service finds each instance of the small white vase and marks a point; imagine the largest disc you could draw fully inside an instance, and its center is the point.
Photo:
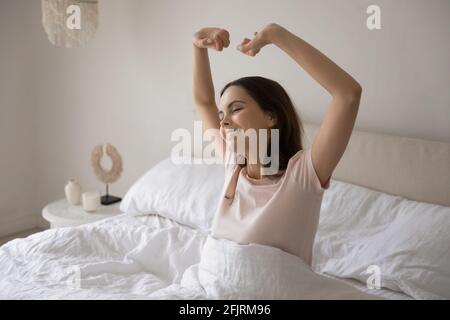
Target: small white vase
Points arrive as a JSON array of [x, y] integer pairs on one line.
[[73, 192]]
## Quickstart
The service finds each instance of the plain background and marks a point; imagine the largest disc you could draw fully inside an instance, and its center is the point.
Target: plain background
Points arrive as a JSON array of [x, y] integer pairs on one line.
[[131, 86]]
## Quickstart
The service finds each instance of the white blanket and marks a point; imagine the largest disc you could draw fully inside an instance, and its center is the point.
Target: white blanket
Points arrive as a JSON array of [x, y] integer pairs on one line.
[[149, 257]]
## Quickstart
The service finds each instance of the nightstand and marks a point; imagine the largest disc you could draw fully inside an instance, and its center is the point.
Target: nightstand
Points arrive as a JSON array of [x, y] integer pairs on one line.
[[61, 214]]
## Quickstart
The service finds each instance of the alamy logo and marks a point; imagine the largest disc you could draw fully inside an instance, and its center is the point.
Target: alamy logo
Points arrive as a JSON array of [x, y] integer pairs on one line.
[[374, 280], [251, 146], [69, 276], [73, 277], [374, 20], [74, 19]]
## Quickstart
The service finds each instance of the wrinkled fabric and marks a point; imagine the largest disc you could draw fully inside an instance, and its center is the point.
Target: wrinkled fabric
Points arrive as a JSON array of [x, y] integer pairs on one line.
[[149, 257]]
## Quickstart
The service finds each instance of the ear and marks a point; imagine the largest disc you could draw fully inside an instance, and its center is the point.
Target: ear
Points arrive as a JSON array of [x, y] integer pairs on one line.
[[271, 120]]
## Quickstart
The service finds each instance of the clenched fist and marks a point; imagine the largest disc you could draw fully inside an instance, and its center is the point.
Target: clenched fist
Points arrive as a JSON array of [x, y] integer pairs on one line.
[[211, 38]]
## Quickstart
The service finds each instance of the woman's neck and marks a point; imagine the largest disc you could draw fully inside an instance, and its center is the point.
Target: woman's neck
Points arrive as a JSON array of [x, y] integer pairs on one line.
[[254, 171]]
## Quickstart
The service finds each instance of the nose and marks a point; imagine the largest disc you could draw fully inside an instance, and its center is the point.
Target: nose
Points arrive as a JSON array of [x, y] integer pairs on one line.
[[225, 122]]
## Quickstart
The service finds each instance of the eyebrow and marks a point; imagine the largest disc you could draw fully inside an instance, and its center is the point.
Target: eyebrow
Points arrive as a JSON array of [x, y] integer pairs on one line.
[[231, 103]]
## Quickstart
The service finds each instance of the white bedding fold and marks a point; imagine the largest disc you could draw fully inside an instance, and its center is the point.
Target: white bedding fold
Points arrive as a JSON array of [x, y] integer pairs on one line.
[[228, 270], [138, 257]]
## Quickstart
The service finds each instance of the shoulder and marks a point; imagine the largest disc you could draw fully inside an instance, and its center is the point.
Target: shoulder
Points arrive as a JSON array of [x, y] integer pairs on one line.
[[301, 169]]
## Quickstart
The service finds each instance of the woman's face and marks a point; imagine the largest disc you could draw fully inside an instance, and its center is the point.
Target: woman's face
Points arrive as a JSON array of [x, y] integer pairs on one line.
[[238, 110]]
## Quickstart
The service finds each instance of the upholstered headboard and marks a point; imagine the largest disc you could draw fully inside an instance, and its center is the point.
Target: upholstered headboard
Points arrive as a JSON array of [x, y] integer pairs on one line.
[[412, 168]]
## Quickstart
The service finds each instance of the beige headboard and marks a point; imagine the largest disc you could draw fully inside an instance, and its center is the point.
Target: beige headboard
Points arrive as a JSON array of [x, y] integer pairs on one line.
[[412, 168]]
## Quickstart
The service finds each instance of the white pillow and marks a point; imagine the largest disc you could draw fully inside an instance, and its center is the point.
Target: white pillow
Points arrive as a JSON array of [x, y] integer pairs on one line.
[[409, 241], [186, 193]]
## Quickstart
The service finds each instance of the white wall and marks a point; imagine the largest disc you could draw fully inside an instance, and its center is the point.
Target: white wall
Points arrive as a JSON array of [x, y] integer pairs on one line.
[[131, 86], [18, 155]]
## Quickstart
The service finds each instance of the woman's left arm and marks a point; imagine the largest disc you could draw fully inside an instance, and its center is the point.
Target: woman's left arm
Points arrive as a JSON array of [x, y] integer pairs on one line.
[[336, 128]]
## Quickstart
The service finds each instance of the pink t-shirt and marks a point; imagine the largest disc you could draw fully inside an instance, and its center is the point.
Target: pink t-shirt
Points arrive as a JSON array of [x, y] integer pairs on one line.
[[280, 211]]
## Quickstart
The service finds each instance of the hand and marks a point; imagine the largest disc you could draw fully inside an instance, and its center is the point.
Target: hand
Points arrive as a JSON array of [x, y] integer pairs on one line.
[[211, 38], [260, 39]]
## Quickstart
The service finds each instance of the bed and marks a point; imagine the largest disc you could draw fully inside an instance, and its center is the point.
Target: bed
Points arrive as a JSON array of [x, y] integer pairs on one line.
[[383, 234]]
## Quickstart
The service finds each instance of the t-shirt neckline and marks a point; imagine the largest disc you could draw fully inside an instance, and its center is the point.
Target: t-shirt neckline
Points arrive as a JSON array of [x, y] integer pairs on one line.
[[265, 180]]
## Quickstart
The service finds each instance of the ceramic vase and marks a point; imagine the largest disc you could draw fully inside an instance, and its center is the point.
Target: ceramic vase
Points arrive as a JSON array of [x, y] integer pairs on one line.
[[73, 192]]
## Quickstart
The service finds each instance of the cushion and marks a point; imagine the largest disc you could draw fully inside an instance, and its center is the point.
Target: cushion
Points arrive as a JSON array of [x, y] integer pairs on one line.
[[186, 193], [408, 241]]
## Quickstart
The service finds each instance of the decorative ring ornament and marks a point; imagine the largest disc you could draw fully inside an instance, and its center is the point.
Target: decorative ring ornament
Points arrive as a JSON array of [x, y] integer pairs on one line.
[[116, 170]]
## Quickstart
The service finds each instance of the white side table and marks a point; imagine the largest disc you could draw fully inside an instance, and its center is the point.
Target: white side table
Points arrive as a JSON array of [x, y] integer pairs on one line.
[[61, 214]]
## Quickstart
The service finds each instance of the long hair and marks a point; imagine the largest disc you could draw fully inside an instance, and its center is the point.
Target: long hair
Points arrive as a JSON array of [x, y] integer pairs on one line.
[[271, 97]]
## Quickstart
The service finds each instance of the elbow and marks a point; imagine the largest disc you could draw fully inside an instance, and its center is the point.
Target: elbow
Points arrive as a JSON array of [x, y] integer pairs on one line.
[[356, 95], [351, 96], [357, 91]]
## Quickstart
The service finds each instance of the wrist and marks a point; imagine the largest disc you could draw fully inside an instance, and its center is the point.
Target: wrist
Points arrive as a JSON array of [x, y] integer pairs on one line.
[[197, 48], [272, 32]]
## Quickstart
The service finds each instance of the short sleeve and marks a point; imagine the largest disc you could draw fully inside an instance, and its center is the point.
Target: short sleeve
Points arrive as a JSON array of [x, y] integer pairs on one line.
[[303, 172]]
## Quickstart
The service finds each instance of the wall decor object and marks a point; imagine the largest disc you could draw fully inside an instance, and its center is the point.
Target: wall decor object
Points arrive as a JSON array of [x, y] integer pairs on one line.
[[103, 175]]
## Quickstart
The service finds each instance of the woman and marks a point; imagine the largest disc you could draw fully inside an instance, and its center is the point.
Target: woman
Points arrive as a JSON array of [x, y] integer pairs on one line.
[[280, 210]]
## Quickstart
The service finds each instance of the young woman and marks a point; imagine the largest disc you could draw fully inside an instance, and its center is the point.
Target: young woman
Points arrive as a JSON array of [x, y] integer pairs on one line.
[[279, 210]]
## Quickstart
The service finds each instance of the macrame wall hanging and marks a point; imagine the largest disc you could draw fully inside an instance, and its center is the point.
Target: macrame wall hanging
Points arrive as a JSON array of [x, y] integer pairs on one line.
[[70, 23]]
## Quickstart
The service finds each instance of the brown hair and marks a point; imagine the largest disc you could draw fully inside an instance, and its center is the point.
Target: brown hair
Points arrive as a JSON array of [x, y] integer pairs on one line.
[[271, 97]]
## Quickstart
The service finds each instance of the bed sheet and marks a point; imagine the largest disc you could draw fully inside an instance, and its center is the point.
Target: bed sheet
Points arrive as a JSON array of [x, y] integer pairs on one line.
[[149, 257]]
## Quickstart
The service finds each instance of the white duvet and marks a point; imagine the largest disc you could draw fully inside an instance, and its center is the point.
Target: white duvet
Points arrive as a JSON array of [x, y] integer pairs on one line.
[[150, 257]]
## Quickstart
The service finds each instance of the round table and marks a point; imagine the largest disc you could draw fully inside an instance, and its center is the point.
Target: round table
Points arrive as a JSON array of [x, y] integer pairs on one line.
[[61, 214]]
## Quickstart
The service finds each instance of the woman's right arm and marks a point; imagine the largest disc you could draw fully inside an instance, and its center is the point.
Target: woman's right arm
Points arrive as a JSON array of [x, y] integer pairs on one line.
[[203, 88]]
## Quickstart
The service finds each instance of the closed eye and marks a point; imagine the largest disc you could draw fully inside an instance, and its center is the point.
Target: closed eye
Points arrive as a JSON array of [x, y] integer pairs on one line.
[[233, 110]]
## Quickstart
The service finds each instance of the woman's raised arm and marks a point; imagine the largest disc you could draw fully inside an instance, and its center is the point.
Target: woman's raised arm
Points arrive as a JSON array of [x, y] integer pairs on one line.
[[203, 88], [337, 126]]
